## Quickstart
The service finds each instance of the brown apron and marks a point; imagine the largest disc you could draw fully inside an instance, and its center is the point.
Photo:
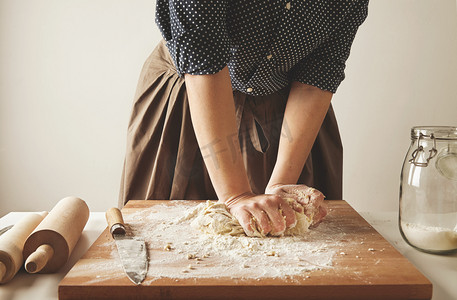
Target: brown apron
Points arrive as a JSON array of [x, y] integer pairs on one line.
[[163, 160]]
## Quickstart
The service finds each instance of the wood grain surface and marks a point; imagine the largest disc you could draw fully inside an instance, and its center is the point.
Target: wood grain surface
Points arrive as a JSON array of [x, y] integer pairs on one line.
[[358, 274]]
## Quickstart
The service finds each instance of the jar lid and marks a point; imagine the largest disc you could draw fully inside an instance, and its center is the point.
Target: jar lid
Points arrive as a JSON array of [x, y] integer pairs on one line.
[[439, 132]]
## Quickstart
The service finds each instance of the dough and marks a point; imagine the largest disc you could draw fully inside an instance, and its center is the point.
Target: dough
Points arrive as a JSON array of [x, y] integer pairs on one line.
[[214, 218]]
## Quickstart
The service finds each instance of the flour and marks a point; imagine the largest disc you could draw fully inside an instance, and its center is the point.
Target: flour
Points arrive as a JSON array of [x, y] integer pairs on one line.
[[177, 250], [225, 255], [430, 238]]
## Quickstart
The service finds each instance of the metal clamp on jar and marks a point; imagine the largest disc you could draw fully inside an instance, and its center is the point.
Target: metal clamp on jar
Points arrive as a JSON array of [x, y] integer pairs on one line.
[[428, 190]]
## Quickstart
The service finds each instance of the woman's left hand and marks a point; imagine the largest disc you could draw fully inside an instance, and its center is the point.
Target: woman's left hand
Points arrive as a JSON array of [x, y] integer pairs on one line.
[[311, 199]]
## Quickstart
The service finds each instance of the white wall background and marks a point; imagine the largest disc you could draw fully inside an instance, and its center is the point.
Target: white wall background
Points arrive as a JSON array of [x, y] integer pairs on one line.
[[68, 72]]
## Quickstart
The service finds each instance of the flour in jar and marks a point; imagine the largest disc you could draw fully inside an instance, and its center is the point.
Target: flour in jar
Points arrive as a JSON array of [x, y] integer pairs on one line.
[[178, 250], [430, 238]]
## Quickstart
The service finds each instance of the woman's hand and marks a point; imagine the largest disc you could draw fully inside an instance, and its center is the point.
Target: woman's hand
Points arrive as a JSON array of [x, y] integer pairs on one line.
[[311, 199], [271, 214], [305, 110]]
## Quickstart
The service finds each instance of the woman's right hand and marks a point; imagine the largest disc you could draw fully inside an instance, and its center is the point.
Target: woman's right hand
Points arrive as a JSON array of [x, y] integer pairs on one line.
[[270, 213]]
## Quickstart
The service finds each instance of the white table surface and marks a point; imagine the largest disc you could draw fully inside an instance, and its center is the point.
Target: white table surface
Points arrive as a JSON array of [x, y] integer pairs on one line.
[[441, 270]]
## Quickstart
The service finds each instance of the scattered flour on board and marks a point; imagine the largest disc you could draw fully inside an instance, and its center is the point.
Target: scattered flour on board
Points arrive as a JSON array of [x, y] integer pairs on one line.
[[177, 250]]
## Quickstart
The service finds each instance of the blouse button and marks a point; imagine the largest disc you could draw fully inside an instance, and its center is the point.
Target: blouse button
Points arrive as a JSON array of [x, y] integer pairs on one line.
[[288, 5], [249, 90]]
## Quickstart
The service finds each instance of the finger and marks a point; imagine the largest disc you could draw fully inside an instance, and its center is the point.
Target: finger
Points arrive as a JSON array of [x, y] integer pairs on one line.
[[293, 202], [316, 201], [272, 207], [245, 219], [278, 223], [316, 194], [319, 216], [262, 220], [288, 214]]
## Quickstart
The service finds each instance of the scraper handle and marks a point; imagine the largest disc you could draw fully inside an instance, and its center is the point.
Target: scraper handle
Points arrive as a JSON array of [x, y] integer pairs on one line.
[[115, 221]]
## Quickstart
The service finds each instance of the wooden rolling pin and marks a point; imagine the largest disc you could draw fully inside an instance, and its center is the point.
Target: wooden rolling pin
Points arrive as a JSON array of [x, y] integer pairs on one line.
[[48, 248], [12, 244]]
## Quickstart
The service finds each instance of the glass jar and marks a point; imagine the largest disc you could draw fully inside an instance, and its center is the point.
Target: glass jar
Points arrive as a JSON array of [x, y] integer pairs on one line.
[[428, 190]]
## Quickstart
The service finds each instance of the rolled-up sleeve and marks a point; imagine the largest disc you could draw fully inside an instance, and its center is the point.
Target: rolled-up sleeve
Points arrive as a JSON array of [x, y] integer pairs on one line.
[[324, 67], [196, 34]]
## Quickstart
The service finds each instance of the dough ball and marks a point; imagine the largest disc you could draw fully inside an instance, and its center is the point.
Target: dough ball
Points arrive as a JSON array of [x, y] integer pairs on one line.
[[214, 218]]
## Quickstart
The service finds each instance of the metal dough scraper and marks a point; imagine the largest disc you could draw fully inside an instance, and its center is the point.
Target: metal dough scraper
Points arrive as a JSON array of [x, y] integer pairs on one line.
[[132, 251]]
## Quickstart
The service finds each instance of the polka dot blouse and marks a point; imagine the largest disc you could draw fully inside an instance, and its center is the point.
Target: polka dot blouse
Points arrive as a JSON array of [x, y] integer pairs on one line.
[[265, 44]]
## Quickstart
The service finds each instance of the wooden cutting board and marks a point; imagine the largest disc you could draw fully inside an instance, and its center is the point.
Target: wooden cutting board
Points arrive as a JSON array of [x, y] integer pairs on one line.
[[366, 266]]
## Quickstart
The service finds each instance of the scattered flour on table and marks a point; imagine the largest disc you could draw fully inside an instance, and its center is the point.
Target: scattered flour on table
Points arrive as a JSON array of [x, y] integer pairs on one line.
[[177, 250]]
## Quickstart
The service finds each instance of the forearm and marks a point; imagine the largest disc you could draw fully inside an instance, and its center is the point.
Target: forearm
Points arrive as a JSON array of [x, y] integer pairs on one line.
[[305, 110], [212, 111]]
